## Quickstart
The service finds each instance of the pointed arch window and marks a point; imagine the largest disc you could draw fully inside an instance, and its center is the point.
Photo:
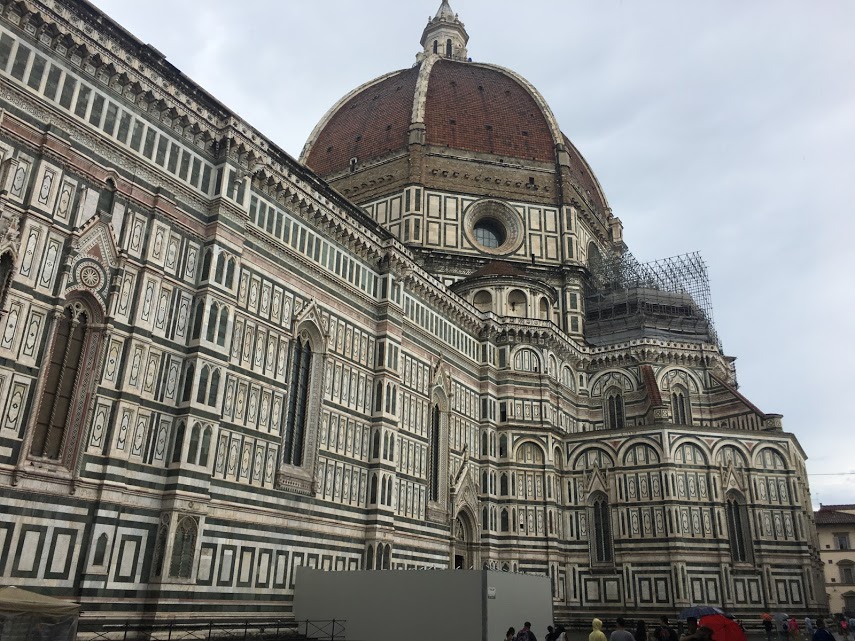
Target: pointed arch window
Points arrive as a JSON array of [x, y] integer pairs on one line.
[[434, 454], [183, 549], [205, 449], [601, 530], [222, 326], [189, 374], [614, 410], [448, 48], [738, 528], [7, 269], [178, 443], [66, 382], [680, 407], [203, 384], [213, 314], [436, 46], [298, 401], [219, 272], [214, 390], [230, 273], [100, 550], [193, 448], [198, 318]]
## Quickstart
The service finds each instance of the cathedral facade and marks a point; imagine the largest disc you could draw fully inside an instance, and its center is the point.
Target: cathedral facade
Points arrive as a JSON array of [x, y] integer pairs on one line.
[[423, 345]]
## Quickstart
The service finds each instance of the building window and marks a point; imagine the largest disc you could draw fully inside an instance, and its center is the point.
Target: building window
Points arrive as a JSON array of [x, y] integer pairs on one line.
[[183, 549], [298, 401], [434, 454], [65, 384], [100, 550], [601, 534], [680, 407], [737, 529], [841, 540], [448, 48], [847, 571], [614, 410]]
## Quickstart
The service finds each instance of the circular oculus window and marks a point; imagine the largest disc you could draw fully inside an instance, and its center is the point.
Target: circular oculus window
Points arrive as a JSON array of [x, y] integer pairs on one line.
[[493, 227]]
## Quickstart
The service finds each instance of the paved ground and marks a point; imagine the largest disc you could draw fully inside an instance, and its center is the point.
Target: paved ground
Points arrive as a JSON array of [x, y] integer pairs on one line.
[[580, 635]]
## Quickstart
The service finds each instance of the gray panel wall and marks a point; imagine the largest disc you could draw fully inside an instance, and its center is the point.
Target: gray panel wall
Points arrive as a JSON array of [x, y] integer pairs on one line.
[[423, 605]]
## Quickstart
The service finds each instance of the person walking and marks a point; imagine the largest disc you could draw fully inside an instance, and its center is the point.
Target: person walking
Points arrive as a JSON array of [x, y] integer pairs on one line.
[[793, 629], [525, 633], [596, 631], [808, 628], [664, 632], [620, 633], [767, 625], [821, 634], [509, 635], [641, 631]]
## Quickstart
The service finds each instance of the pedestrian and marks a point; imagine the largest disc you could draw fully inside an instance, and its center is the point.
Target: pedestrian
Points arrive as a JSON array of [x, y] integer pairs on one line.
[[821, 633], [561, 633], [664, 632], [808, 628], [793, 629], [596, 631], [620, 633], [509, 635], [691, 628], [843, 624], [767, 625], [550, 633], [641, 631], [525, 633]]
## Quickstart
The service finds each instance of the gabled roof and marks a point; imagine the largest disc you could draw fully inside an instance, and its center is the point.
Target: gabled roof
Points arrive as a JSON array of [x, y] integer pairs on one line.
[[833, 517]]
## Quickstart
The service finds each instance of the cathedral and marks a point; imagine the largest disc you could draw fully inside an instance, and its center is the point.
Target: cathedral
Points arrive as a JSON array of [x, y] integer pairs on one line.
[[422, 345]]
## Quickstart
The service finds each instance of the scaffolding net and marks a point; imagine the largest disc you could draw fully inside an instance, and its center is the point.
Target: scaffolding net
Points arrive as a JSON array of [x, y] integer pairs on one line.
[[684, 274]]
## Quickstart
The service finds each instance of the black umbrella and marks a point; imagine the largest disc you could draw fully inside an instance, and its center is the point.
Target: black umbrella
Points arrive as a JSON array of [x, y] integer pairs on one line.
[[699, 611]]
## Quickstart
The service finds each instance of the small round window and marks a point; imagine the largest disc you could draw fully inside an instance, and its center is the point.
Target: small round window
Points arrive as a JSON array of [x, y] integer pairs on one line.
[[489, 232], [493, 227]]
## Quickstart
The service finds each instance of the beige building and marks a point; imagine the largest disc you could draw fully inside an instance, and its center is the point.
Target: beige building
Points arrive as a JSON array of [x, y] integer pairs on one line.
[[835, 527], [423, 345]]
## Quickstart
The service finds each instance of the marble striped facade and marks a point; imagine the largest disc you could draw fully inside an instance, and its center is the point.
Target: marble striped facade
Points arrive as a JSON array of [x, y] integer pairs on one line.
[[199, 254]]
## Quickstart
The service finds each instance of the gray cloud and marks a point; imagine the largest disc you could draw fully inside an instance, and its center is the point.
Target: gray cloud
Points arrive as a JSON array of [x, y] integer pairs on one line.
[[724, 127]]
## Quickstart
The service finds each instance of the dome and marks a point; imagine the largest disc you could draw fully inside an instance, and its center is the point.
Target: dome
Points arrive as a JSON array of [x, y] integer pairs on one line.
[[445, 118]]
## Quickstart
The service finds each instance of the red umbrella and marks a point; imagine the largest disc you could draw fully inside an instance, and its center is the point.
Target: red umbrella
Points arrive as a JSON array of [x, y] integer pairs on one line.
[[724, 629]]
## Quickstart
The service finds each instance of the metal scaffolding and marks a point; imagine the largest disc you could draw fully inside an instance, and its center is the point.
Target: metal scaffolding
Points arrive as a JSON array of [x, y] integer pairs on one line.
[[684, 274]]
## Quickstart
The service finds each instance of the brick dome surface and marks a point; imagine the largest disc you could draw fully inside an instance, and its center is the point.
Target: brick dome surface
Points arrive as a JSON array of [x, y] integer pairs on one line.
[[468, 107]]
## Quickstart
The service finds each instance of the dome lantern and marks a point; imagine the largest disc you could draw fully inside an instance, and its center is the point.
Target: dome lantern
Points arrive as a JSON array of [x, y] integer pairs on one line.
[[445, 35]]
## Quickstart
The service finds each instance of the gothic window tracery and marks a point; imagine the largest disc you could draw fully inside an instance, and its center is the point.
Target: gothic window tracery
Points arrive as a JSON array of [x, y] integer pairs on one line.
[[738, 528], [60, 414], [183, 548], [614, 407], [680, 405], [601, 534], [298, 400]]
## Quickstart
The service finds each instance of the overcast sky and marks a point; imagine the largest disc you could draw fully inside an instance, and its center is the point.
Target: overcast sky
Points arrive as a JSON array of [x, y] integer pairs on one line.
[[726, 127]]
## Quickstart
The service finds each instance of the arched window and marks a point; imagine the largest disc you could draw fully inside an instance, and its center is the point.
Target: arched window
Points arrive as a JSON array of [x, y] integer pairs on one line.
[[219, 272], [214, 392], [369, 558], [544, 308], [198, 318], [614, 410], [436, 46], [601, 530], [503, 484], [298, 401], [380, 560], [189, 373], [517, 303], [387, 557], [202, 390], [485, 487], [737, 528], [485, 520], [484, 446], [107, 196], [206, 266], [213, 313], [434, 454], [193, 448], [373, 490], [378, 397], [100, 550], [680, 407], [183, 549], [7, 268], [221, 330], [503, 446], [62, 388], [448, 48], [375, 446], [483, 301], [504, 520], [178, 443], [205, 450], [230, 273]]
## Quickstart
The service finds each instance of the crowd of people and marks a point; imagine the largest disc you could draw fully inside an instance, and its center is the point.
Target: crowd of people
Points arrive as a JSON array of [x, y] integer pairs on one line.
[[789, 629]]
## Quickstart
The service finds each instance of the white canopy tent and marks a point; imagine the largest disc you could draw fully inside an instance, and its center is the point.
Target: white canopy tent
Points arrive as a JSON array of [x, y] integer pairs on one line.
[[29, 616]]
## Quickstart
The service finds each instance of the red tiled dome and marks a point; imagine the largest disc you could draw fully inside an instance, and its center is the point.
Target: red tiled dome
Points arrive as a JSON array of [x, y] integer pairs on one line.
[[468, 106]]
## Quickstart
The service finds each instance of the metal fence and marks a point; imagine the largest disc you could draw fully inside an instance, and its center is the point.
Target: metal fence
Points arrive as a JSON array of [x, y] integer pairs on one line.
[[222, 630]]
